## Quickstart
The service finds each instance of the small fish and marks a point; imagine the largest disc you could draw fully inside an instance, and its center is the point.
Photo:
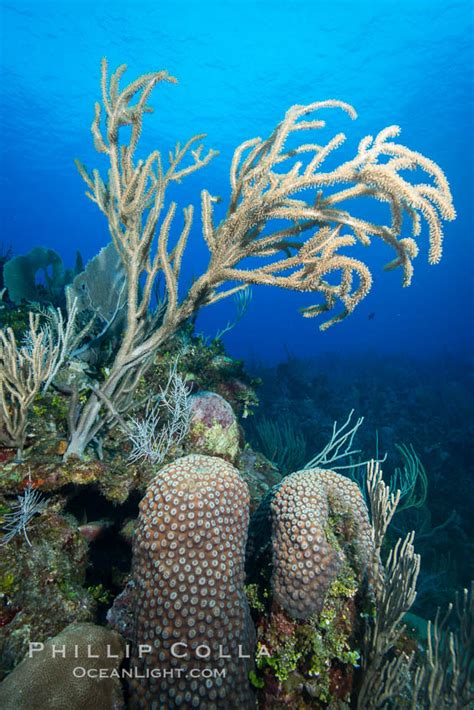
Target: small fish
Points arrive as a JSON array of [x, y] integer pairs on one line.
[[94, 529], [371, 316]]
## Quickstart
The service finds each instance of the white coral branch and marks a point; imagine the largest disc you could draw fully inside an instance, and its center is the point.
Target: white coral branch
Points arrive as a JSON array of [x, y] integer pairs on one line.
[[165, 423]]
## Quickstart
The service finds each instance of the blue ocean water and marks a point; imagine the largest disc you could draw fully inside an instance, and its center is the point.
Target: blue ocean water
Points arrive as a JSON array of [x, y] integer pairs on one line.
[[240, 65]]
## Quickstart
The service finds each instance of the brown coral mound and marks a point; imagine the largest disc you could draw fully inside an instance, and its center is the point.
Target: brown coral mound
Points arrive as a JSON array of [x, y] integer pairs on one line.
[[59, 679], [304, 564], [190, 606], [306, 560]]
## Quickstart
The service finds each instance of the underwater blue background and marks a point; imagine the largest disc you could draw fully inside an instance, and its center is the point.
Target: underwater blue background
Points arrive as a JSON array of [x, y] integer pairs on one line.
[[240, 65]]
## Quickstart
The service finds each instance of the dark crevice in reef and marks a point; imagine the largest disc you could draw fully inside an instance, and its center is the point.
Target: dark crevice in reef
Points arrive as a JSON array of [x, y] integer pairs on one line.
[[110, 550]]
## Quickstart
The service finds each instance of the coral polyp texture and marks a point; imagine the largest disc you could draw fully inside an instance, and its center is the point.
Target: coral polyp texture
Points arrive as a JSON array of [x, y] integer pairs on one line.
[[307, 553], [346, 500], [304, 562], [190, 605], [48, 676]]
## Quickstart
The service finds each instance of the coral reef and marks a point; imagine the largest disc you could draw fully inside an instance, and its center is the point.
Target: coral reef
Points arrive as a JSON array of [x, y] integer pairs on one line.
[[188, 569], [110, 381], [259, 473], [403, 400], [205, 367], [115, 480], [42, 585], [311, 663], [28, 368], [165, 422], [328, 655]]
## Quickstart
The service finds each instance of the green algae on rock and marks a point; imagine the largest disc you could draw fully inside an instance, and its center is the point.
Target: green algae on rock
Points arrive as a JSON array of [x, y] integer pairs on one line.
[[213, 428], [43, 585], [309, 556]]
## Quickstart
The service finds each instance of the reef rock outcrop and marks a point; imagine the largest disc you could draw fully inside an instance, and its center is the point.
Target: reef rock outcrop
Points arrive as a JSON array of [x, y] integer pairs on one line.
[[213, 428]]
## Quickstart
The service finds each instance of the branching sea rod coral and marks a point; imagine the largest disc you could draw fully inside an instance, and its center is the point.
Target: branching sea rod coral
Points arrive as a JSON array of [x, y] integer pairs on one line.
[[29, 367], [384, 675], [271, 184], [446, 677]]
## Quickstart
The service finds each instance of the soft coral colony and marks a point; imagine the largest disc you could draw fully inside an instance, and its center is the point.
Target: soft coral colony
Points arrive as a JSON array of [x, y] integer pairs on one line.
[[313, 559], [270, 184]]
